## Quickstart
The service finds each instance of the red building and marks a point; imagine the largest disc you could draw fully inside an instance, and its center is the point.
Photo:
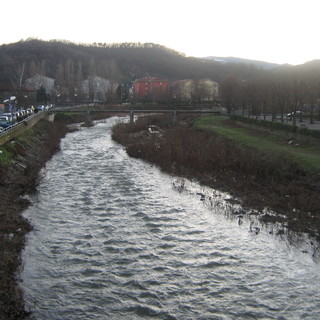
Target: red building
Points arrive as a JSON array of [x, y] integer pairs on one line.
[[150, 89]]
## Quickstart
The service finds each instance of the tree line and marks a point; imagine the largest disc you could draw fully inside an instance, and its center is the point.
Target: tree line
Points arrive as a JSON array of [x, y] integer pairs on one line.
[[276, 92]]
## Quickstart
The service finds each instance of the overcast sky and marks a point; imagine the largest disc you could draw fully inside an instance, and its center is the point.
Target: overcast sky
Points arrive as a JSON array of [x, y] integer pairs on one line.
[[278, 31]]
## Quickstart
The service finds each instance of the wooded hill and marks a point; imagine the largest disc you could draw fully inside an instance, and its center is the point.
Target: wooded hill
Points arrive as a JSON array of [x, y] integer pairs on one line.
[[67, 62]]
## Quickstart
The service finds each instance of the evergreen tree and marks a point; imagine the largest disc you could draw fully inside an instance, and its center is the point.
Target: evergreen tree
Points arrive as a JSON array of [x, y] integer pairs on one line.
[[42, 95]]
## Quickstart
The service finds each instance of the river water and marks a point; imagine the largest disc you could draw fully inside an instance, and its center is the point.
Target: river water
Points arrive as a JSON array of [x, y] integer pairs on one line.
[[114, 238]]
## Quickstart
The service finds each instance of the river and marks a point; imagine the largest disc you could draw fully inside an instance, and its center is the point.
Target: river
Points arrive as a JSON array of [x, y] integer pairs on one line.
[[115, 238]]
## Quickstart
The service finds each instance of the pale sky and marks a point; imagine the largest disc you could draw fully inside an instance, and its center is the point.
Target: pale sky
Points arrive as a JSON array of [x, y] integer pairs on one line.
[[281, 31]]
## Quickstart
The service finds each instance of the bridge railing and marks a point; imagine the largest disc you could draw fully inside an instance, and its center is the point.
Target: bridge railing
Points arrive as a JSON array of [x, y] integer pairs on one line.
[[132, 112]]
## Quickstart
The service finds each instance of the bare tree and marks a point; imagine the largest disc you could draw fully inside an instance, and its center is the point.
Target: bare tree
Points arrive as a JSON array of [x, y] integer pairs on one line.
[[32, 68], [281, 94], [108, 69], [17, 80], [313, 91], [60, 79], [297, 93], [230, 92]]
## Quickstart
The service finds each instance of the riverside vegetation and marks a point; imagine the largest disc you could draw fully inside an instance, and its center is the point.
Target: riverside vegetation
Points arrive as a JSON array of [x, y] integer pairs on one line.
[[265, 168]]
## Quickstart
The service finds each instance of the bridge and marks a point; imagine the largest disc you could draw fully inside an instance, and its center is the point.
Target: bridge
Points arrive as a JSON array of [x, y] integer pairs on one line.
[[88, 111]]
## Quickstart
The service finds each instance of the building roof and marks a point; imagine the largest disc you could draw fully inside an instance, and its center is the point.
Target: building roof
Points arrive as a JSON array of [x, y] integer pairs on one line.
[[151, 79], [37, 76], [7, 86]]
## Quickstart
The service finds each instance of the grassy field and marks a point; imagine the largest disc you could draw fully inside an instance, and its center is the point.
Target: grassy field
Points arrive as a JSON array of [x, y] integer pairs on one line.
[[302, 151]]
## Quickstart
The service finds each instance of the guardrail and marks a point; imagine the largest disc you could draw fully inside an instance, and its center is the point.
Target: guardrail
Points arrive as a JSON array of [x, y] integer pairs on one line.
[[19, 127]]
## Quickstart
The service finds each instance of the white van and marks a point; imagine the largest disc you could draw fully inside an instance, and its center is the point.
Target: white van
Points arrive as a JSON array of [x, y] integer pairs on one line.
[[9, 116]]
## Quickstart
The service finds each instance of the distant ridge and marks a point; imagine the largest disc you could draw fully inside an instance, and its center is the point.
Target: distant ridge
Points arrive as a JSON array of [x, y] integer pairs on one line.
[[256, 63]]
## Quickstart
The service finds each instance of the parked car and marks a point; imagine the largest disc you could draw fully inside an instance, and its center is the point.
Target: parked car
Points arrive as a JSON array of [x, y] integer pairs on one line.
[[20, 115], [4, 118], [9, 116], [23, 113], [4, 123], [17, 115], [291, 114], [40, 108]]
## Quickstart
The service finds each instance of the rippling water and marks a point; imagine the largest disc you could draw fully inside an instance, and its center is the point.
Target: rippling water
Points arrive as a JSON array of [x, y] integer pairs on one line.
[[114, 239]]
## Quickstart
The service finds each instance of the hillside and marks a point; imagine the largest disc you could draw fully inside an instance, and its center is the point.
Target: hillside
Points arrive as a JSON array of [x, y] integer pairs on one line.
[[125, 61]]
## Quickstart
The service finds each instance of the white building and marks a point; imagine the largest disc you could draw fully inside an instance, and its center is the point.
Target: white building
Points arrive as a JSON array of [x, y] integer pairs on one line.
[[39, 80], [97, 89]]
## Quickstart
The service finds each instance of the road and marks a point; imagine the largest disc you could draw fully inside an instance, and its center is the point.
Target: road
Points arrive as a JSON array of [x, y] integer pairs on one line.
[[304, 124]]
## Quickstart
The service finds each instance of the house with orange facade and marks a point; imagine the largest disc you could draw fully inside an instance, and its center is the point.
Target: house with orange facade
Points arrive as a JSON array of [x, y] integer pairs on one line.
[[150, 89]]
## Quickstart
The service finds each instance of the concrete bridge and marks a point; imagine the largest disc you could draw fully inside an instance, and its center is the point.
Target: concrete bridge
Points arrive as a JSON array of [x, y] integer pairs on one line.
[[132, 111]]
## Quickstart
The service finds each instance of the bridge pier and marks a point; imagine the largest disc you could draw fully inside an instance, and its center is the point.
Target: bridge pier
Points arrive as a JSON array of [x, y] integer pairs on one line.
[[174, 117], [131, 116], [88, 121]]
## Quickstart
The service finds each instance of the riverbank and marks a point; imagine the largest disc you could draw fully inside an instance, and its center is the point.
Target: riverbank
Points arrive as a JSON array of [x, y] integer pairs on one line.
[[260, 179], [21, 160]]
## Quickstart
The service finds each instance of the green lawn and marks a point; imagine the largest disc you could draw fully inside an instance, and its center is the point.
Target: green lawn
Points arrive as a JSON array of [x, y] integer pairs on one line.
[[306, 155]]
